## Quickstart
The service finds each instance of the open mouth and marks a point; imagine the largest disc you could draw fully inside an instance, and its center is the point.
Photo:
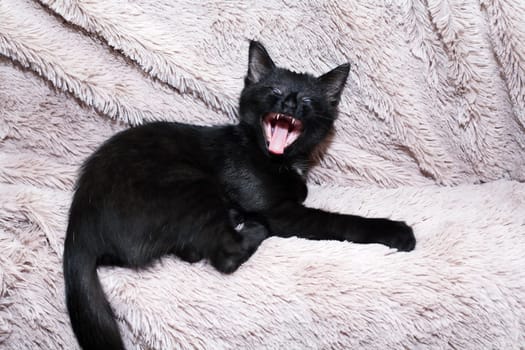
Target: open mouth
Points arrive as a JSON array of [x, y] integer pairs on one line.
[[281, 131]]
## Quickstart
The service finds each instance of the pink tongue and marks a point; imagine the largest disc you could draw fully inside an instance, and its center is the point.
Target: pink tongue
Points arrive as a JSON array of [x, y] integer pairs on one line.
[[278, 141]]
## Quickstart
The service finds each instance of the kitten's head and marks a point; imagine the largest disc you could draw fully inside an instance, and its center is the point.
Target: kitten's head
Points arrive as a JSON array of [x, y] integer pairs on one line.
[[290, 112]]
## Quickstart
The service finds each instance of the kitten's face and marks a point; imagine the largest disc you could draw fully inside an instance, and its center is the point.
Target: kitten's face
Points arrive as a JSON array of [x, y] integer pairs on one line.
[[290, 112]]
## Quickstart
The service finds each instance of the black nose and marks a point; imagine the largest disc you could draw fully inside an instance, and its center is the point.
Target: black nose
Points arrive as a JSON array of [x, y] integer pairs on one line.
[[289, 105]]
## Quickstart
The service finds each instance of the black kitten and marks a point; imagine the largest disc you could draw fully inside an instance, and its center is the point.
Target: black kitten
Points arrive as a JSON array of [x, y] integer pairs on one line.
[[211, 193]]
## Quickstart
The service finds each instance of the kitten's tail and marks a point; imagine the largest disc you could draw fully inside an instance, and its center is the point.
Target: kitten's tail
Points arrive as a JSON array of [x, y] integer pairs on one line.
[[91, 316]]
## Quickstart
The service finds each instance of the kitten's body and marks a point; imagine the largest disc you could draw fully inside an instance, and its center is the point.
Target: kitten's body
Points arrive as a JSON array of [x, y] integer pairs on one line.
[[207, 192]]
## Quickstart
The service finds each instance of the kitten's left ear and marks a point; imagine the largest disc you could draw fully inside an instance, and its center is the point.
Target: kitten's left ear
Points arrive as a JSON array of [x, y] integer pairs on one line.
[[259, 63], [334, 81]]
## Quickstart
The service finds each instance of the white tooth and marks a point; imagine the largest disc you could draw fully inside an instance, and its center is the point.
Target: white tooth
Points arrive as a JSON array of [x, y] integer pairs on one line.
[[277, 117], [293, 122], [268, 130]]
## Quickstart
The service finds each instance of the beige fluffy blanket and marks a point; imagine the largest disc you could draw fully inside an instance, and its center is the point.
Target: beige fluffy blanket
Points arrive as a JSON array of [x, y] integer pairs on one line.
[[431, 131]]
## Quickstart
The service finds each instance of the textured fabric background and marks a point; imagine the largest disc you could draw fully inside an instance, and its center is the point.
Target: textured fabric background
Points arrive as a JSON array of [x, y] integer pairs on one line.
[[431, 131]]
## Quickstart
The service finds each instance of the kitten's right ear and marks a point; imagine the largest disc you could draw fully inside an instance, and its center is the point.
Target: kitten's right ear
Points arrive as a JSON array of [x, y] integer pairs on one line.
[[334, 81], [259, 63]]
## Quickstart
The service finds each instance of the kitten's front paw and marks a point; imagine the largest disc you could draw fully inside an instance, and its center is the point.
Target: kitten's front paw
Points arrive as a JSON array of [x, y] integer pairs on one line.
[[250, 227], [253, 234], [395, 234]]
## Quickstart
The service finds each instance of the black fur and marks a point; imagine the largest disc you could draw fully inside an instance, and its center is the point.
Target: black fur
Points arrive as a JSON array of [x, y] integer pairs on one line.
[[211, 193]]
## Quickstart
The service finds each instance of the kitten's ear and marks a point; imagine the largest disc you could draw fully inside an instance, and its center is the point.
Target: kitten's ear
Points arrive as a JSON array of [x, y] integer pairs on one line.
[[259, 63], [333, 82]]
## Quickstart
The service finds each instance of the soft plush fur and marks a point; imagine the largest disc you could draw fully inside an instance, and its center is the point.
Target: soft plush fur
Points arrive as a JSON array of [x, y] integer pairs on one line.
[[436, 97]]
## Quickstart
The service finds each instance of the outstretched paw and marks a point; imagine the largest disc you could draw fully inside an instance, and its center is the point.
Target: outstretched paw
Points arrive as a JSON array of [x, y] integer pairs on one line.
[[397, 234]]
